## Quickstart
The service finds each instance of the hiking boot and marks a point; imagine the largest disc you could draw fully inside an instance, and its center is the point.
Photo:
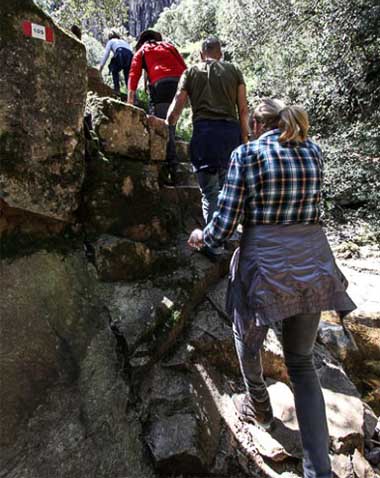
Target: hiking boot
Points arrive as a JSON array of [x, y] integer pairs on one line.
[[258, 413]]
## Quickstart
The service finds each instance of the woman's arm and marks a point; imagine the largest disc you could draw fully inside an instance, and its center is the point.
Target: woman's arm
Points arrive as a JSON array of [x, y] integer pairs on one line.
[[230, 204], [105, 56], [134, 75]]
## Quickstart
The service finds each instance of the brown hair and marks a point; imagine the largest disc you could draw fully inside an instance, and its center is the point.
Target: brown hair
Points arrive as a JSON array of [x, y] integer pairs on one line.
[[292, 120], [146, 36], [113, 33]]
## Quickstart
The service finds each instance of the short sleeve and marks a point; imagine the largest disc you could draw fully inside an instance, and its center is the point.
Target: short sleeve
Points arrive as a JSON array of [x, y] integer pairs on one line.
[[240, 76], [184, 81]]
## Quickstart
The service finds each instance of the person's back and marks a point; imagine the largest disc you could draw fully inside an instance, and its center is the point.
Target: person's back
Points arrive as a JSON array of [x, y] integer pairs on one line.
[[212, 87], [122, 57], [161, 60], [116, 43], [217, 94], [163, 66], [273, 167]]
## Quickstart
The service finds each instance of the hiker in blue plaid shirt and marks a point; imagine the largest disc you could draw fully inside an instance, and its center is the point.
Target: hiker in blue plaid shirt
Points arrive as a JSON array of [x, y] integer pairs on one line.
[[283, 270]]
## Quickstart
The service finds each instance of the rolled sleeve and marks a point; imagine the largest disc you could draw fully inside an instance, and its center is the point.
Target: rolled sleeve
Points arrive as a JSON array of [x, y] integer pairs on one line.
[[230, 205]]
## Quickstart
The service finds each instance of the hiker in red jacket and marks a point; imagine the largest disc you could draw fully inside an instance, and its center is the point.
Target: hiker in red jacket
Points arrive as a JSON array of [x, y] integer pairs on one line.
[[163, 66]]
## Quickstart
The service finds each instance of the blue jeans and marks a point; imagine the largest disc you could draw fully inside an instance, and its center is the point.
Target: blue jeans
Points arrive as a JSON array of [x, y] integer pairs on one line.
[[298, 336], [121, 61], [211, 182]]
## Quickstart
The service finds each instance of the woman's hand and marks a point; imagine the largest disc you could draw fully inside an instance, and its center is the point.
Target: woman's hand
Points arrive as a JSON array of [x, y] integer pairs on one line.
[[196, 239]]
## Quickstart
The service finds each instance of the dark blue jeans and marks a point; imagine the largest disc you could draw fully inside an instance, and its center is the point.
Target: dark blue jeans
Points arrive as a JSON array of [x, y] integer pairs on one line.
[[298, 337], [121, 61]]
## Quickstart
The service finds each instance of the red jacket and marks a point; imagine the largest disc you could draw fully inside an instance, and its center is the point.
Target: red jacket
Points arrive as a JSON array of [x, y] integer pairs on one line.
[[161, 59]]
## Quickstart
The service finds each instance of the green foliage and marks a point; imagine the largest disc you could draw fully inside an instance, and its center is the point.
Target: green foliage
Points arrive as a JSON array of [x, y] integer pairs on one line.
[[352, 173], [324, 54], [93, 16], [94, 49]]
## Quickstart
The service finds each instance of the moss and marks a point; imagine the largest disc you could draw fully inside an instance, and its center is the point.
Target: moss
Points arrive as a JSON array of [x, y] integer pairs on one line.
[[21, 244], [10, 145]]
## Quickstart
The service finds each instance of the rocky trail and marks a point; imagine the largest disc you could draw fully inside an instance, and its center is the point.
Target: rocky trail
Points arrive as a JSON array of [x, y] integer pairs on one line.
[[117, 357]]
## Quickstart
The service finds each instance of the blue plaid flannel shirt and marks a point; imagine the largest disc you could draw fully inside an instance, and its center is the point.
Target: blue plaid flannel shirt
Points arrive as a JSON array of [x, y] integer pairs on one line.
[[269, 183]]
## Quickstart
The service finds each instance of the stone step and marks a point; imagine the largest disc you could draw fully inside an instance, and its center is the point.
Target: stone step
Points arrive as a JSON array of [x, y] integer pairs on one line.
[[152, 314]]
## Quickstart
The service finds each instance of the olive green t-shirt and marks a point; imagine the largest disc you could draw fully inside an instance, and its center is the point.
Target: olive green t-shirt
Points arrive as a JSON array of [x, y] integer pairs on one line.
[[212, 87]]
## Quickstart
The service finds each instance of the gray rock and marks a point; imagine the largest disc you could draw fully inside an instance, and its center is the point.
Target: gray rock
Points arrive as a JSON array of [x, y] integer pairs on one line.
[[211, 337], [48, 315], [187, 200], [132, 311], [119, 259], [158, 138], [173, 442], [361, 466], [284, 441], [373, 456], [84, 429], [339, 341], [370, 422], [121, 128], [41, 115], [136, 312], [184, 421], [345, 410], [342, 466]]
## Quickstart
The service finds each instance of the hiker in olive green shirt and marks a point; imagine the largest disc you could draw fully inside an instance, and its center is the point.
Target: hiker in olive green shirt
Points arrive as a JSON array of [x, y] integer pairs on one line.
[[218, 100]]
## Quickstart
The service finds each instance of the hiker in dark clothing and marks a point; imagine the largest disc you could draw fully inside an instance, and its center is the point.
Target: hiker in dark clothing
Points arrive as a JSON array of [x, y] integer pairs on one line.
[[77, 31], [121, 61], [284, 269], [218, 100], [163, 66]]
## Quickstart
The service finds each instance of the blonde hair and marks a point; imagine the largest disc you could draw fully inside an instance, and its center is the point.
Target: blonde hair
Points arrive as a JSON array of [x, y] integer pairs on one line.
[[293, 121]]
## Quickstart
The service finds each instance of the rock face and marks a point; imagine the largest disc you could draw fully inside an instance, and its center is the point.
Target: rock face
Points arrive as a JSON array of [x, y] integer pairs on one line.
[[95, 83], [184, 423], [142, 15], [42, 95], [47, 322]]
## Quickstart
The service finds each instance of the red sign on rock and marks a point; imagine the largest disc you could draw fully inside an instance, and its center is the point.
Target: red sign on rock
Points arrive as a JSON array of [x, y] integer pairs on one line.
[[38, 31]]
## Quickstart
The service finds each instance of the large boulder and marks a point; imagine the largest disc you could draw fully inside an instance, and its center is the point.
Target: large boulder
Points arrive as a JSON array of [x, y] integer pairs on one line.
[[48, 316], [42, 98], [126, 130], [184, 424], [86, 428]]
